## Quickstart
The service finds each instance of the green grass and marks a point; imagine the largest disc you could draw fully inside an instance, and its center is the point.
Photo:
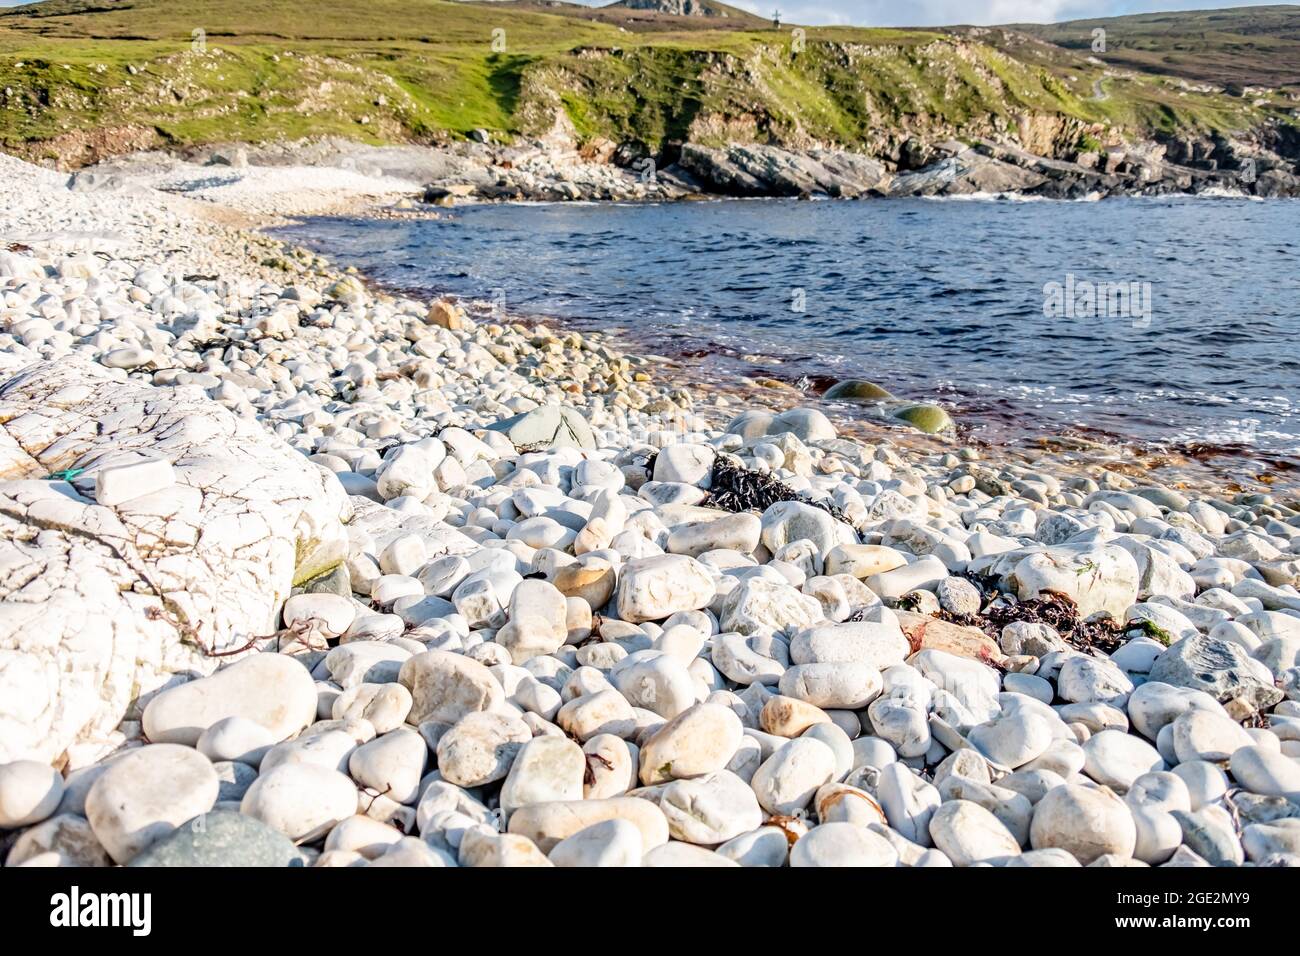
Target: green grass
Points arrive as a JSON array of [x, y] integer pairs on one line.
[[427, 71]]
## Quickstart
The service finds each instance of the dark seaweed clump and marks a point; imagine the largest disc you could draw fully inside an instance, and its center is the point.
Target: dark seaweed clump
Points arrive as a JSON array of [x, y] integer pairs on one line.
[[736, 488]]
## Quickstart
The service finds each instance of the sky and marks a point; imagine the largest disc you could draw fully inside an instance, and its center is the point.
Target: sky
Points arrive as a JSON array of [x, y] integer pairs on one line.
[[916, 13], [920, 13]]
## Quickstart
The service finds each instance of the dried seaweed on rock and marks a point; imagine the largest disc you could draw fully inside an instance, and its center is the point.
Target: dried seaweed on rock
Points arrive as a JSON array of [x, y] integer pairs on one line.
[[736, 488], [1060, 612]]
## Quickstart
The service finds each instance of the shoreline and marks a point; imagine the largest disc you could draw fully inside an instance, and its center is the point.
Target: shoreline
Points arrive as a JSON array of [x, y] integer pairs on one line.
[[281, 543], [1070, 448]]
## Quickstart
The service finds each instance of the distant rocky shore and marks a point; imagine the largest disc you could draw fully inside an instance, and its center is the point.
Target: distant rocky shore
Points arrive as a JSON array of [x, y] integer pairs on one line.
[[555, 171]]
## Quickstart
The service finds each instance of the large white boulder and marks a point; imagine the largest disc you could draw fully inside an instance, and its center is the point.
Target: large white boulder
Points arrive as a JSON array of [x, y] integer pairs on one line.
[[99, 605]]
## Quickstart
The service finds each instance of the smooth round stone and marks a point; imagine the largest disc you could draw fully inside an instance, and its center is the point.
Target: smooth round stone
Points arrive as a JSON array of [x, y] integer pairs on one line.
[[222, 838], [1011, 809], [908, 801], [1043, 858], [272, 690], [788, 521], [1094, 716], [865, 642], [480, 848], [30, 792], [787, 781], [863, 560], [764, 847], [711, 809], [1085, 679], [842, 844], [735, 532], [327, 748], [844, 686], [1158, 834], [967, 833], [328, 614], [698, 741], [386, 706], [740, 659], [1211, 834], [611, 765], [608, 843], [545, 768], [1115, 759], [1154, 705], [480, 748], [393, 764], [445, 687], [302, 801], [902, 724], [870, 751], [1263, 840], [656, 587], [363, 835], [146, 794], [1031, 784], [676, 855], [841, 803], [546, 824], [1206, 783], [1203, 735], [1030, 685], [835, 738], [236, 738], [1084, 822], [857, 390], [1012, 740], [604, 712], [537, 625], [1265, 772], [655, 681], [1162, 789], [68, 836]]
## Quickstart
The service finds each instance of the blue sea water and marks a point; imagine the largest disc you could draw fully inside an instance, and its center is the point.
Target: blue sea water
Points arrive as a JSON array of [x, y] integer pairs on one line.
[[981, 305]]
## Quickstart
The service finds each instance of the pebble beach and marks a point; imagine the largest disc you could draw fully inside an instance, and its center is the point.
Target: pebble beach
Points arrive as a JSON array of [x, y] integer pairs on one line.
[[300, 573]]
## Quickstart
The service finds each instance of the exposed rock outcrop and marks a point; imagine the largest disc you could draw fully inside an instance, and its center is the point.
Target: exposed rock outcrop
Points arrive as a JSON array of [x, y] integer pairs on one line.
[[100, 604]]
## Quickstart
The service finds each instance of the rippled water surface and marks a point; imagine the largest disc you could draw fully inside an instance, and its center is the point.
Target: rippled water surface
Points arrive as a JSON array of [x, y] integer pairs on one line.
[[941, 300]]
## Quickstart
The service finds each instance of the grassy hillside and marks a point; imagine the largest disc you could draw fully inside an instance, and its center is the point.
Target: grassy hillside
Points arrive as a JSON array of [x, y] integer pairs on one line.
[[82, 78], [1244, 46]]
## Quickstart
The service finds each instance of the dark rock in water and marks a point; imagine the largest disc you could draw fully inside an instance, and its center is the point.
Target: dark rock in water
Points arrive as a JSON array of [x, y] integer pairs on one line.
[[1219, 668], [857, 390], [222, 838]]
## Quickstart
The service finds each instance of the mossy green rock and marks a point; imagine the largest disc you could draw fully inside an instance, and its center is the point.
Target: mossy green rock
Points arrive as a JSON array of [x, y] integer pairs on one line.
[[222, 838], [857, 390], [930, 419]]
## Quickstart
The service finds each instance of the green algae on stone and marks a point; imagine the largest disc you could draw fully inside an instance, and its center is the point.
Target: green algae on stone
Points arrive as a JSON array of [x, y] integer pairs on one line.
[[222, 838], [857, 390], [930, 419]]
